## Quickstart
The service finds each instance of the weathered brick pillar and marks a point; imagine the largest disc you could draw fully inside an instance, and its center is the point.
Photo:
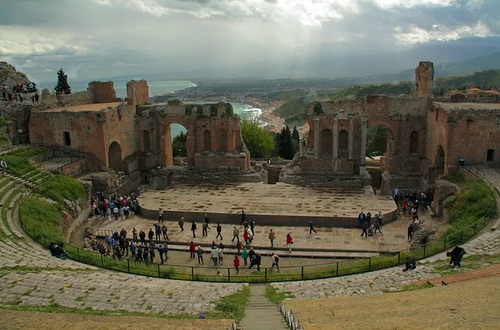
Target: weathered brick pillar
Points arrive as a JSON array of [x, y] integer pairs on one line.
[[363, 140], [351, 138], [316, 137], [335, 131]]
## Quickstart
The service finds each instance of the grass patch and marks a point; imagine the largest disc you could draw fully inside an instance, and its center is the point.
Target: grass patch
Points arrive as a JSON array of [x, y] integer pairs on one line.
[[232, 306], [42, 220], [457, 178], [275, 296], [477, 261], [18, 160], [475, 201], [59, 188]]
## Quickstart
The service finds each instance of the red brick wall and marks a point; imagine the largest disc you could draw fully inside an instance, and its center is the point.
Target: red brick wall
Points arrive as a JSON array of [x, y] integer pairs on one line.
[[104, 92]]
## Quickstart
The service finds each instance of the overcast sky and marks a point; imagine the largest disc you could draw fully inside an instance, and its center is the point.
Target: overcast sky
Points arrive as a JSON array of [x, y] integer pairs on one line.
[[105, 38]]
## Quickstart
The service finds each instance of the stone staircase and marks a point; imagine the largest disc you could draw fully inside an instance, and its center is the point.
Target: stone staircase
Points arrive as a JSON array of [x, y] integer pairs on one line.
[[260, 313]]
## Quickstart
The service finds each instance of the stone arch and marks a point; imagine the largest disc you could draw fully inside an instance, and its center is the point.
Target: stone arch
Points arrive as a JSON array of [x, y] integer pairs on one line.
[[414, 142], [222, 137], [146, 142], [67, 139], [115, 160], [207, 140], [326, 142]]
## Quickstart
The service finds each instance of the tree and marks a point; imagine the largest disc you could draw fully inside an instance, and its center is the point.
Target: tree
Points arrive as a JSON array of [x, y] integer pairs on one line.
[[62, 86], [295, 139], [179, 145], [259, 142], [284, 143]]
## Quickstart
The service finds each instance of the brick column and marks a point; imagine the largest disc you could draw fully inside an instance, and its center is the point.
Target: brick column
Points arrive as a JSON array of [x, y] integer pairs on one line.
[[363, 140], [316, 137], [351, 138], [335, 153]]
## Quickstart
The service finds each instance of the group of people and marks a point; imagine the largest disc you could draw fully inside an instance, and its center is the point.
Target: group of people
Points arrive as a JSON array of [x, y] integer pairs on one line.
[[19, 92], [119, 207], [370, 224]]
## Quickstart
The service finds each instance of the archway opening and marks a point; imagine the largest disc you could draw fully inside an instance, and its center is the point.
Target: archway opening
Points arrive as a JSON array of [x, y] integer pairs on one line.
[[379, 140], [414, 142], [343, 144], [222, 143], [66, 139], [207, 140], [440, 159], [490, 155], [326, 144], [115, 156], [176, 135]]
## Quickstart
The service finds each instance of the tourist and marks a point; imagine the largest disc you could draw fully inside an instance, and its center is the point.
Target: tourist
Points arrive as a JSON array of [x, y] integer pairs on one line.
[[289, 242], [192, 249], [204, 229], [193, 229], [364, 228], [219, 231], [214, 255], [311, 227], [152, 252], [161, 253], [409, 265], [410, 232], [252, 226], [236, 264], [57, 251], [250, 235], [246, 237], [220, 254], [116, 212], [142, 236], [456, 256], [151, 234], [133, 249], [3, 166], [361, 218], [275, 259], [160, 215], [145, 255], [164, 231], [207, 221], [405, 206], [244, 255], [221, 245], [378, 223], [158, 231], [272, 237], [239, 246], [236, 234], [243, 217], [165, 246], [181, 223], [199, 252], [255, 261]]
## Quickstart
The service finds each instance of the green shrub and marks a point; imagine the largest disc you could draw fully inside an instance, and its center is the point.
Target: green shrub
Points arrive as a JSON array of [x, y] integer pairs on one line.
[[42, 220], [59, 188]]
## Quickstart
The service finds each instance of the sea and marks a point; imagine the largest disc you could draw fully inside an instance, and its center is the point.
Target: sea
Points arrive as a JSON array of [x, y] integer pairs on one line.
[[161, 87]]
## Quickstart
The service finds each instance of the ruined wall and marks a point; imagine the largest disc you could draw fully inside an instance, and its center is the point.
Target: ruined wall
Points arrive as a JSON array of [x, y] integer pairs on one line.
[[424, 78], [137, 92], [103, 92]]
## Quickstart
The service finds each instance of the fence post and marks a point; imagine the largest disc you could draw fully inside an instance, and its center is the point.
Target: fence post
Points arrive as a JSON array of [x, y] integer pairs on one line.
[[192, 273], [102, 261], [399, 258], [337, 268], [265, 274], [128, 265], [369, 263], [229, 274]]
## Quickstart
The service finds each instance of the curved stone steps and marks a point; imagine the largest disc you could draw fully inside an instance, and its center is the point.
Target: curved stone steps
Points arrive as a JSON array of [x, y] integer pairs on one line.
[[13, 207], [5, 203]]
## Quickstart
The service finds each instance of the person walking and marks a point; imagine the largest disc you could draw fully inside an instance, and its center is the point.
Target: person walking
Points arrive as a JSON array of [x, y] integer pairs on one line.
[[193, 229], [272, 237], [236, 234], [456, 256], [164, 230], [378, 223], [410, 232], [151, 234], [364, 228], [158, 231], [275, 259], [219, 231], [220, 255], [214, 255], [160, 215], [192, 249], [252, 227], [243, 217], [204, 229], [200, 252], [181, 223], [244, 255], [236, 264], [161, 253], [289, 242], [311, 227]]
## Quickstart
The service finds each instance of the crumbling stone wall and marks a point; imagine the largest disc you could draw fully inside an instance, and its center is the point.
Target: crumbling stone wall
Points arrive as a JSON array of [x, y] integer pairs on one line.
[[137, 92], [103, 92], [424, 77]]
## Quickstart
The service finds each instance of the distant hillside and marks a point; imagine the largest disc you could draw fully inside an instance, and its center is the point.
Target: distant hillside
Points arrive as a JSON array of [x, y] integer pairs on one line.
[[9, 76], [468, 66], [484, 80]]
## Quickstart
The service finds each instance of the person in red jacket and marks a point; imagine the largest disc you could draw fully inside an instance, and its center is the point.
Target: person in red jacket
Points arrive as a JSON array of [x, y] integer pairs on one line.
[[236, 264], [192, 249], [289, 242]]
